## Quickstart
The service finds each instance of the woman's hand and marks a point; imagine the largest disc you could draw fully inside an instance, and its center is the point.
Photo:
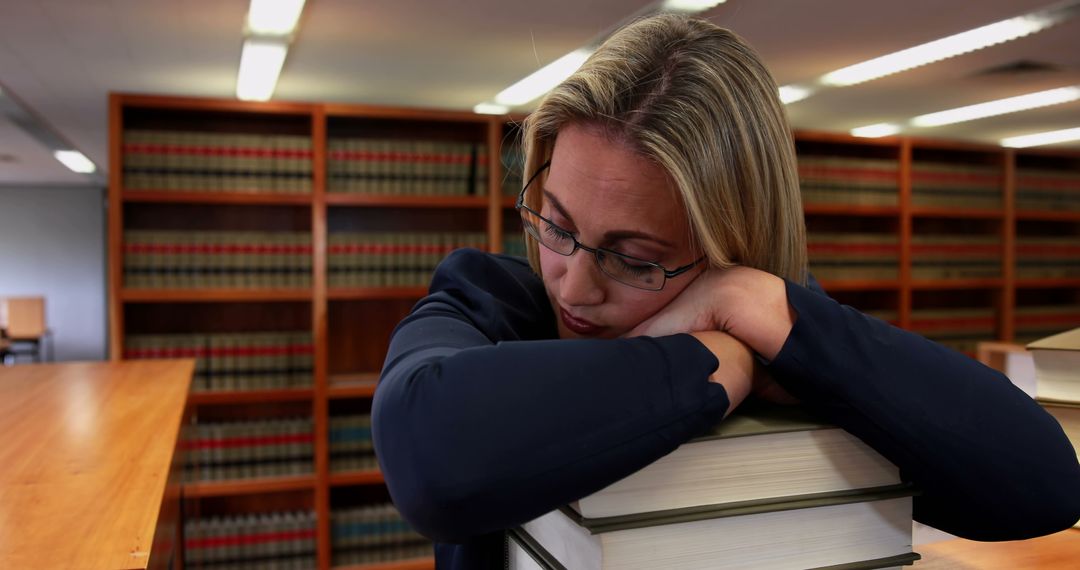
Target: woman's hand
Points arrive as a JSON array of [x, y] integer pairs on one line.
[[749, 304]]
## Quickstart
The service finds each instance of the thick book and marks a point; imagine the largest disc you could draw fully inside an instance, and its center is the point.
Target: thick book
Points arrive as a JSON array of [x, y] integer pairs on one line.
[[758, 452], [1057, 366], [870, 529]]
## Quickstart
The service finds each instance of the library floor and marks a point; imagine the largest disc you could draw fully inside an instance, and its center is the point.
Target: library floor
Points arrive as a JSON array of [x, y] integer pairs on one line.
[[1058, 551]]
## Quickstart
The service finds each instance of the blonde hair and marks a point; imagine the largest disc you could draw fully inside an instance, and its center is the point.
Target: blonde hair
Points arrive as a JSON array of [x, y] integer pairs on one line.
[[696, 99]]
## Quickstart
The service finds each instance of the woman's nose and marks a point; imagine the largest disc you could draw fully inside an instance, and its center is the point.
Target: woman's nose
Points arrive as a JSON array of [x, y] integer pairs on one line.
[[583, 284]]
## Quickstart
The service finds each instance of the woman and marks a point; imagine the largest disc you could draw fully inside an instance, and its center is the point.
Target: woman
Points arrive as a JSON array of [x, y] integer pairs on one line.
[[667, 281]]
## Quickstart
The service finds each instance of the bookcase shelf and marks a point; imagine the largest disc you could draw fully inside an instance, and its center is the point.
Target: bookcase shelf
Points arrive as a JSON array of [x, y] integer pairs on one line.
[[371, 200], [375, 293], [248, 486], [873, 206], [342, 479], [250, 396], [183, 197], [213, 295], [417, 564]]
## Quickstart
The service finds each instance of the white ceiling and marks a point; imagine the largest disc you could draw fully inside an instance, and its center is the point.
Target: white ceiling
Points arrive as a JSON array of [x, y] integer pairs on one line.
[[63, 57]]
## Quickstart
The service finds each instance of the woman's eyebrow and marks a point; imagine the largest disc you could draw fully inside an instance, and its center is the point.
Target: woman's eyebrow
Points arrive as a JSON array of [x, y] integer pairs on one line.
[[613, 235]]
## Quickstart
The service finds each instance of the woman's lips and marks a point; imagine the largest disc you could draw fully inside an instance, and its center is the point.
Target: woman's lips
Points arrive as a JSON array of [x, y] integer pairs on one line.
[[578, 326]]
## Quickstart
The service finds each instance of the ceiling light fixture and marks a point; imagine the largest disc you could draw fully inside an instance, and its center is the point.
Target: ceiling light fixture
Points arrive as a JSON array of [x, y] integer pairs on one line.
[[75, 161], [690, 5], [999, 107], [491, 109], [1039, 139], [792, 93], [876, 131], [273, 17], [544, 79], [971, 40], [268, 30]]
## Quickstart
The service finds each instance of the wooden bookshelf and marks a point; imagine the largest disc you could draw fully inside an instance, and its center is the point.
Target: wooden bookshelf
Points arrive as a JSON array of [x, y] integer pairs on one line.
[[248, 486], [416, 564], [350, 326]]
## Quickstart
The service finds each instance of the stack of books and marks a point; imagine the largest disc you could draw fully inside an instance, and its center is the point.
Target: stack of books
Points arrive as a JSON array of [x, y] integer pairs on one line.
[[216, 451], [1038, 189], [392, 259], [156, 259], [954, 185], [850, 181], [351, 448], [372, 534], [960, 329], [234, 361], [403, 167], [853, 255], [769, 488], [513, 163], [1042, 257], [962, 256], [1057, 380], [268, 540], [216, 162]]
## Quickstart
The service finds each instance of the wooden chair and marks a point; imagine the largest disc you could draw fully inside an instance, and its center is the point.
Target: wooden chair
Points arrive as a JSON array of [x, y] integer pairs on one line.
[[22, 320]]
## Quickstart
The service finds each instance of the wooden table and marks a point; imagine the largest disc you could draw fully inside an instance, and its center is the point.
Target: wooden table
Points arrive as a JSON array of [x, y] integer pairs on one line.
[[1060, 551], [88, 476]]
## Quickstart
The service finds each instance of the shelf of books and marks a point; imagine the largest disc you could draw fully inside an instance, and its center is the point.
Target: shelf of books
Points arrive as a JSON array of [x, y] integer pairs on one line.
[[278, 244]]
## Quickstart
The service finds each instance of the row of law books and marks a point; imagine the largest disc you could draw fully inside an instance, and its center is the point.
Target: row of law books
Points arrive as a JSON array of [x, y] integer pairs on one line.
[[351, 448], [373, 534], [1047, 257], [217, 451], [234, 361], [960, 329], [936, 256], [514, 245], [1033, 322], [403, 167], [956, 185], [853, 255], [216, 162], [1038, 189], [768, 488], [392, 259], [280, 540], [155, 259], [849, 181]]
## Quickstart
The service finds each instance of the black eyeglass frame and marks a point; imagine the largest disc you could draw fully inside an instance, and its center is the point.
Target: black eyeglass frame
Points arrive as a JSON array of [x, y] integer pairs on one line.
[[668, 273]]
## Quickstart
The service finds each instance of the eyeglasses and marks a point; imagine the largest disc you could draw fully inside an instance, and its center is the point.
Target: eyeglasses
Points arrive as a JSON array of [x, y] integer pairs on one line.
[[623, 268]]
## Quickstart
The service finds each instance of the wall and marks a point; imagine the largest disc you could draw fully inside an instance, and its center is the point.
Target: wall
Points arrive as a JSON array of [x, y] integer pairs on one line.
[[52, 241]]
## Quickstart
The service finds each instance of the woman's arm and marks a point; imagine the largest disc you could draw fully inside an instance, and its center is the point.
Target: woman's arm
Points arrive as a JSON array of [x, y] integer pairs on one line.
[[478, 426], [991, 463]]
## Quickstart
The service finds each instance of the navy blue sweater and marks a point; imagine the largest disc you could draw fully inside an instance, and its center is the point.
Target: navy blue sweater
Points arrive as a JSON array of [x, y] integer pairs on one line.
[[483, 420]]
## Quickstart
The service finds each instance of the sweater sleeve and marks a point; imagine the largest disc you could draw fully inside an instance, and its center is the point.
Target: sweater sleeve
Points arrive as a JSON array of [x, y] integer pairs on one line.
[[991, 464], [478, 426]]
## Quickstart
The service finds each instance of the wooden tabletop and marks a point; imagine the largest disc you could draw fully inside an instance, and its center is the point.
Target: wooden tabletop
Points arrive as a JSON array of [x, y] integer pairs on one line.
[[85, 452], [1060, 551]]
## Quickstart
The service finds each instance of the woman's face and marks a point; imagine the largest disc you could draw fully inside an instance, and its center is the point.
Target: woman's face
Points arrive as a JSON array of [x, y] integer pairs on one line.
[[607, 195]]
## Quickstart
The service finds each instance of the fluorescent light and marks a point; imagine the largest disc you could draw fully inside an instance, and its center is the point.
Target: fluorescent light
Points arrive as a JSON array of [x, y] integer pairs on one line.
[[274, 17], [260, 65], [875, 131], [491, 109], [944, 48], [543, 80], [1052, 137], [793, 93], [999, 107], [690, 5], [75, 160]]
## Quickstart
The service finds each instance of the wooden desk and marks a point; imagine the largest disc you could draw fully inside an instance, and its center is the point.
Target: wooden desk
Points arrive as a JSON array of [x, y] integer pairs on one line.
[[87, 472], [1060, 551]]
